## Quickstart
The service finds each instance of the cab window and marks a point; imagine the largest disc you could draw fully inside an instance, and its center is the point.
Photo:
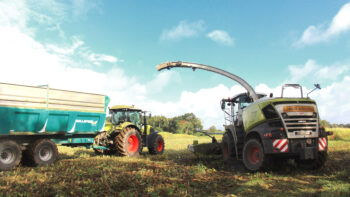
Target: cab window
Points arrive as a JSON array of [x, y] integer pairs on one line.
[[135, 118], [119, 117]]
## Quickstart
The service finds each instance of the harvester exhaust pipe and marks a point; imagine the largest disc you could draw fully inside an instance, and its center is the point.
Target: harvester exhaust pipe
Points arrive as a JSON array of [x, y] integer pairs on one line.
[[194, 66]]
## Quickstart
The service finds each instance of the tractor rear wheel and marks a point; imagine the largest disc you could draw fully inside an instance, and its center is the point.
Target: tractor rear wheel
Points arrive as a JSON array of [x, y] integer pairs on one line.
[[10, 154], [313, 164], [228, 147], [128, 142], [254, 158], [42, 152], [156, 144]]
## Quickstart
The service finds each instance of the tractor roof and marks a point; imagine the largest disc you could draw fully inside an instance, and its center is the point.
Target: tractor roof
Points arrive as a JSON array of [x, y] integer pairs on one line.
[[125, 107]]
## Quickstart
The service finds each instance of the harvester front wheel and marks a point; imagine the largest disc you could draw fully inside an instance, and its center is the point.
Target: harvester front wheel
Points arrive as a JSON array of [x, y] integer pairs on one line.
[[10, 155], [156, 144], [128, 142], [42, 152], [254, 158], [228, 148]]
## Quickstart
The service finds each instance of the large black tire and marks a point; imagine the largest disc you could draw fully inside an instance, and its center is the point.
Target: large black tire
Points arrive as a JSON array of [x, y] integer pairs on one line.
[[228, 147], [254, 158], [313, 164], [101, 136], [156, 144], [128, 142], [10, 154], [42, 152]]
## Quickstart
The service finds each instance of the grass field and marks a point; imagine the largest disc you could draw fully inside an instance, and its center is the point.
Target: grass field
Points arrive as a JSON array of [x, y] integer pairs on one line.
[[178, 172]]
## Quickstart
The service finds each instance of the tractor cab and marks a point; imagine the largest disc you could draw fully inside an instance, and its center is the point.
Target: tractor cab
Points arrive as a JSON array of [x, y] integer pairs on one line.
[[123, 113]]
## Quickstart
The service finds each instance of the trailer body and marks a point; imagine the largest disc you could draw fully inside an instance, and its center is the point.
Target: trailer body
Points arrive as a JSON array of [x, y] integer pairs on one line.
[[68, 117], [34, 119]]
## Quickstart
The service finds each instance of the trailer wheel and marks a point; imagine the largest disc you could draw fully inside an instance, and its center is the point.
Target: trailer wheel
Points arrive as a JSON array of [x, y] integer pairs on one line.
[[254, 158], [156, 144], [128, 142], [42, 152], [313, 164], [10, 155], [228, 148]]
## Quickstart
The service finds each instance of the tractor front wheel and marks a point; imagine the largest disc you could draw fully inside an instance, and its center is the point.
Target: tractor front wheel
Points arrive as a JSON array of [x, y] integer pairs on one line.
[[254, 158], [156, 144], [128, 142]]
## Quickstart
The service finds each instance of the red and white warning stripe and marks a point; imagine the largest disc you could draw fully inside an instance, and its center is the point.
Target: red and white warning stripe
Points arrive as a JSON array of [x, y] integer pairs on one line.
[[322, 143], [281, 144]]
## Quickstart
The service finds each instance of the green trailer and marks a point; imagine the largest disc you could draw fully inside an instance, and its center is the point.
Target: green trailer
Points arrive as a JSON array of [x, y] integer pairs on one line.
[[34, 119]]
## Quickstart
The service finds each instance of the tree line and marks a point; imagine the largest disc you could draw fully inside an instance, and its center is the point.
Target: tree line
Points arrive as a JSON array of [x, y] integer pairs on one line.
[[330, 125], [186, 123]]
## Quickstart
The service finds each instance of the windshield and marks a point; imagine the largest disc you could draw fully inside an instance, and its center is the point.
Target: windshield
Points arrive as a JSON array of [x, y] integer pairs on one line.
[[119, 117], [135, 117]]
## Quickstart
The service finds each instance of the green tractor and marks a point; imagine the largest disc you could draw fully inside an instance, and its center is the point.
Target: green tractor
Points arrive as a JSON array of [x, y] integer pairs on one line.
[[266, 131], [127, 134]]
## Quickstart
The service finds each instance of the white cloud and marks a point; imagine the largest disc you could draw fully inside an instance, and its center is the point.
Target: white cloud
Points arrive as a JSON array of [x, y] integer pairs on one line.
[[69, 49], [204, 103], [183, 30], [221, 37], [315, 34], [333, 101], [82, 7], [98, 58], [161, 80], [24, 60], [314, 71]]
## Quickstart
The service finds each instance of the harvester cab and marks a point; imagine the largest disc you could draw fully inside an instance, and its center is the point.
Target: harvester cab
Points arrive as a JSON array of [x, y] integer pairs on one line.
[[233, 108], [129, 133], [263, 131]]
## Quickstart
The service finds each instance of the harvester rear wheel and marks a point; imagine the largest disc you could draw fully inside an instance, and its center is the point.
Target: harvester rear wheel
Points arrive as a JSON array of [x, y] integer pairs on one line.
[[128, 142], [313, 164], [156, 144], [42, 152], [254, 158], [10, 155], [228, 147]]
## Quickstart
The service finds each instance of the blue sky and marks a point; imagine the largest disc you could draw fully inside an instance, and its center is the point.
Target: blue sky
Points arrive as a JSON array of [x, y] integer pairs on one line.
[[112, 47]]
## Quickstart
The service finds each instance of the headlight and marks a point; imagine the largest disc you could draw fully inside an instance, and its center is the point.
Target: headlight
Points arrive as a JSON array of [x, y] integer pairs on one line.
[[284, 115]]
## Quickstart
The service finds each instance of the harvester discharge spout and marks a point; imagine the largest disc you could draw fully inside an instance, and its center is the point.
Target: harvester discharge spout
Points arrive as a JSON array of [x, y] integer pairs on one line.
[[194, 66]]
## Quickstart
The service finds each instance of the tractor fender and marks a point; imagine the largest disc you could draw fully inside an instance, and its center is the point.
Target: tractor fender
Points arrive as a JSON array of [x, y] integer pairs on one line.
[[132, 126], [124, 125]]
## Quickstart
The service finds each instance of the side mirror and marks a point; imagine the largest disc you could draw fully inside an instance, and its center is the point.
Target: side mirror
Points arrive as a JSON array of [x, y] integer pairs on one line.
[[223, 105], [317, 86], [150, 115]]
